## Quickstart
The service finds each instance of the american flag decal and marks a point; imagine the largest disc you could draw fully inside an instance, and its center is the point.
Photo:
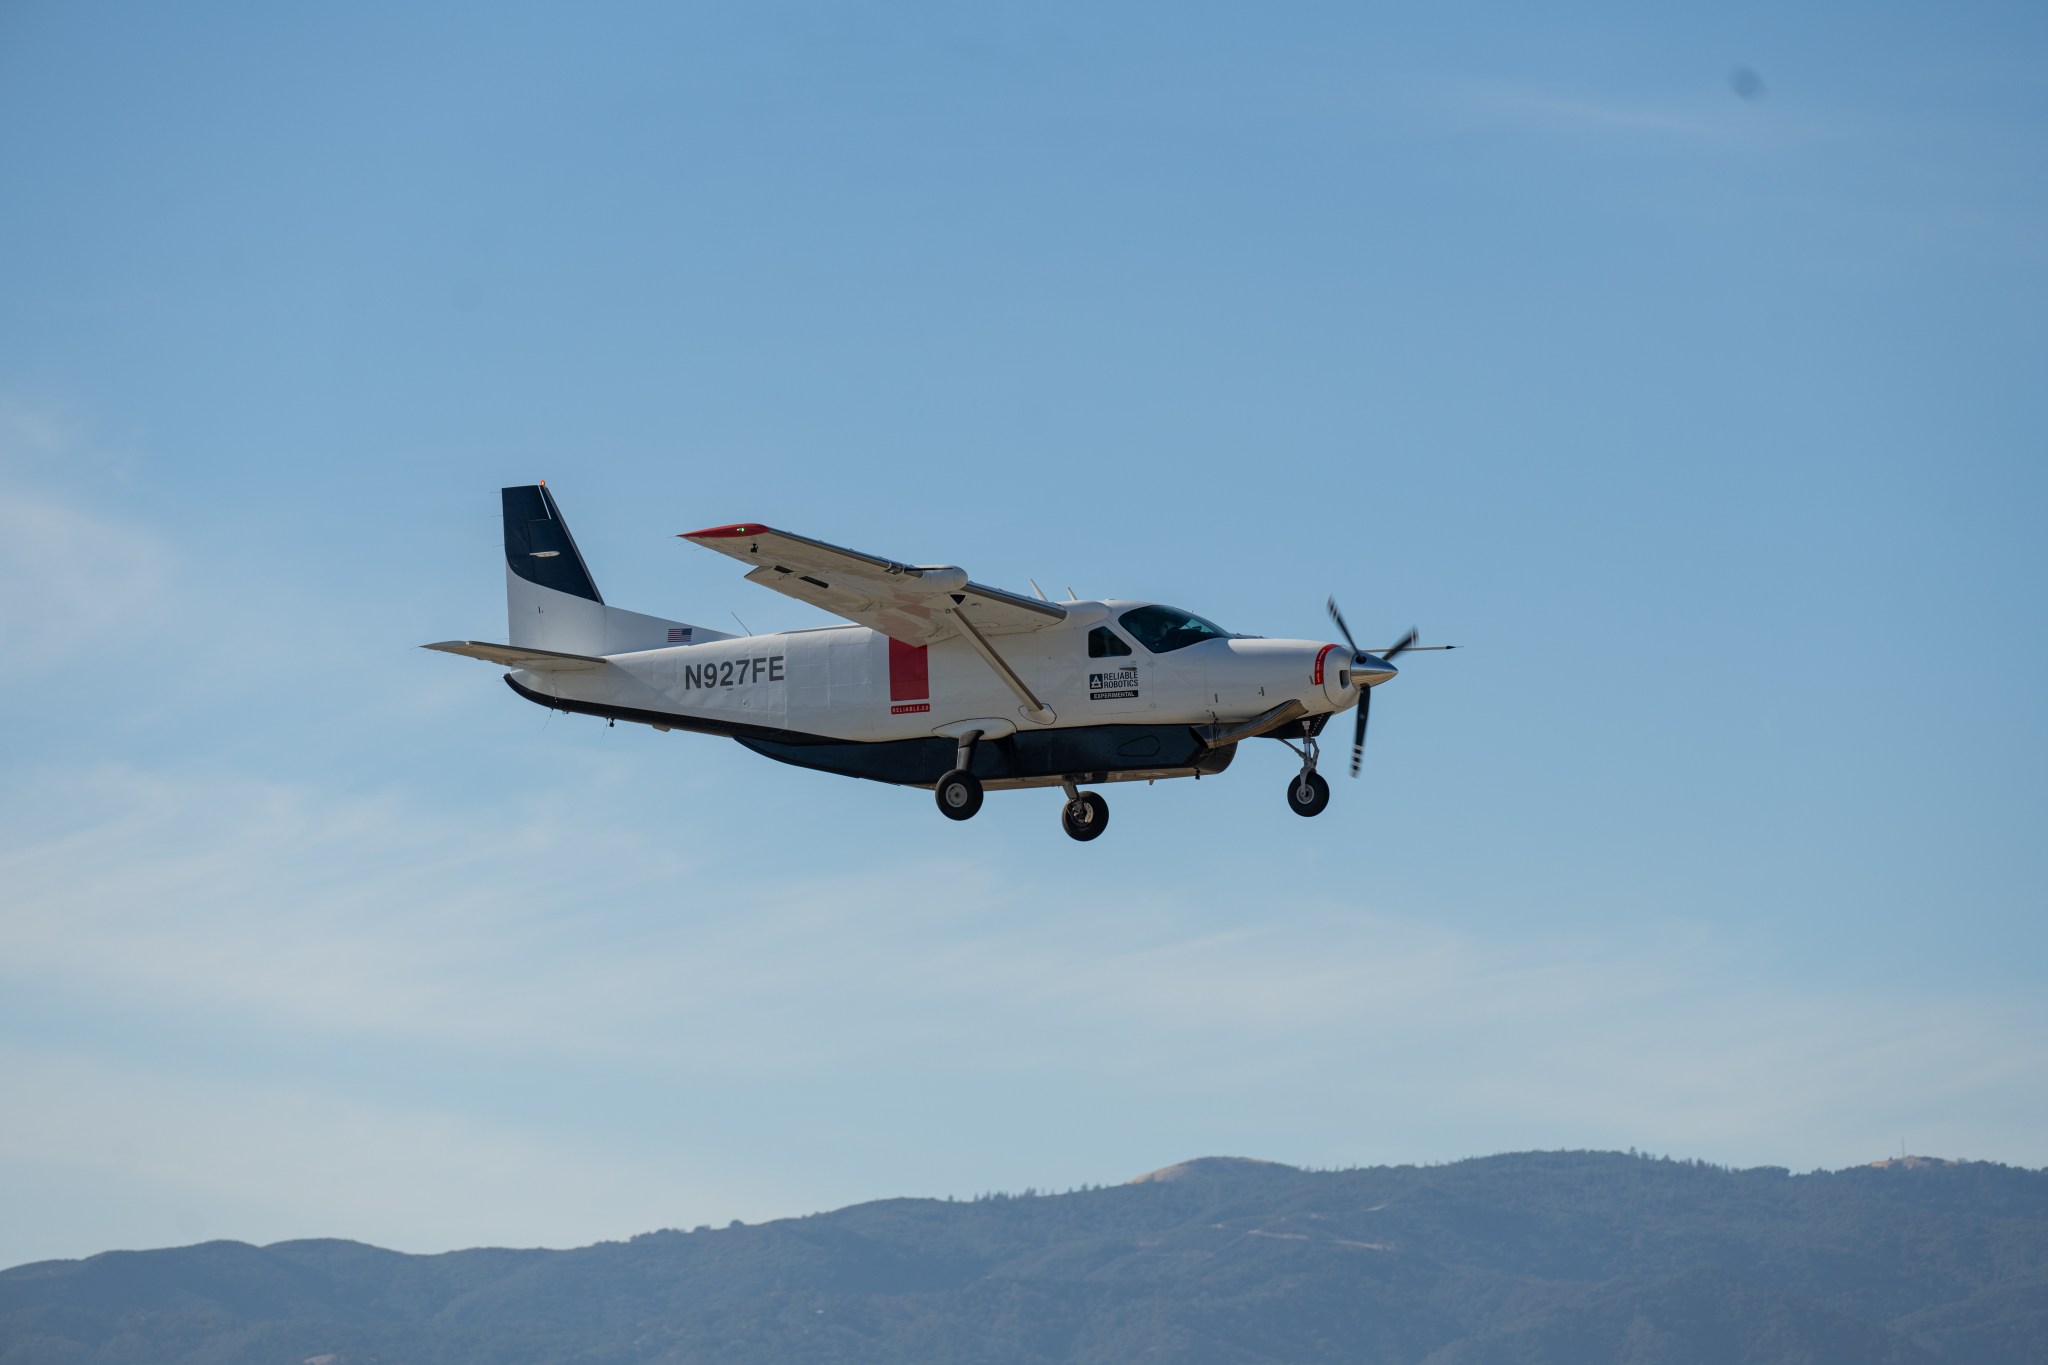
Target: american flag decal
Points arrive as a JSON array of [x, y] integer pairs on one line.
[[679, 635]]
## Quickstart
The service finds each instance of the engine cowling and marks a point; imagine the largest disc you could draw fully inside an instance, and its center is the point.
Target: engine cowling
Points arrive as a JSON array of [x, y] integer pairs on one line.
[[1333, 675]]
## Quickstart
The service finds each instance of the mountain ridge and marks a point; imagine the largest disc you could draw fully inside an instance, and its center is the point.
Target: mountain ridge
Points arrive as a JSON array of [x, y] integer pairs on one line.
[[1518, 1259]]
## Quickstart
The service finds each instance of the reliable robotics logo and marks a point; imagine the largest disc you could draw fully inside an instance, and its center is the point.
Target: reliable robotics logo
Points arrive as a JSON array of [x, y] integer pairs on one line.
[[1109, 686]]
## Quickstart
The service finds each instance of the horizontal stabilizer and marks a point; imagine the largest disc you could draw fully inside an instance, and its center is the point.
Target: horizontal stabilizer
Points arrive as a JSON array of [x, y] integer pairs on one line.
[[520, 656]]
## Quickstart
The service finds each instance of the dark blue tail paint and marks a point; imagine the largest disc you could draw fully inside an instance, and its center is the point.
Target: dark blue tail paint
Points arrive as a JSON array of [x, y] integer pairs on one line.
[[538, 546]]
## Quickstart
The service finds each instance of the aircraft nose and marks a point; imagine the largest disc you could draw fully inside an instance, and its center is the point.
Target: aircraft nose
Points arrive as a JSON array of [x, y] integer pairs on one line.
[[1370, 670], [1348, 675]]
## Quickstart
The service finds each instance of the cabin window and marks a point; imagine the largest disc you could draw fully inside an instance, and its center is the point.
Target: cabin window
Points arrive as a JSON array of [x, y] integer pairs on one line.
[[1103, 644], [1165, 629]]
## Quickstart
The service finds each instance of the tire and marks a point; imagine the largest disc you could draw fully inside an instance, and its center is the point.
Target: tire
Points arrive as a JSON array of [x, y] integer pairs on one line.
[[1086, 818], [1312, 786], [958, 794]]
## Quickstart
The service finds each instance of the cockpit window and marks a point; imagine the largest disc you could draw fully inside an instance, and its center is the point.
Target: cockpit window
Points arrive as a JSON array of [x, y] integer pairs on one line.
[[1103, 644], [1165, 629]]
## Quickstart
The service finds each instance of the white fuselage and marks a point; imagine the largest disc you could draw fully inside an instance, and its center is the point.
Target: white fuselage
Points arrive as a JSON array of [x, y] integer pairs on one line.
[[855, 684]]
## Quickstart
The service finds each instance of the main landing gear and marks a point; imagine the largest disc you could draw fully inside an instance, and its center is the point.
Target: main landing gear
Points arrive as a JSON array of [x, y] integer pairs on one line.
[[959, 794], [1307, 791], [1085, 815], [959, 791]]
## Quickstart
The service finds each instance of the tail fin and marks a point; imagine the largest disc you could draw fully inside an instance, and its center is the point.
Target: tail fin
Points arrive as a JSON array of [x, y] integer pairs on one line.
[[551, 601], [538, 546]]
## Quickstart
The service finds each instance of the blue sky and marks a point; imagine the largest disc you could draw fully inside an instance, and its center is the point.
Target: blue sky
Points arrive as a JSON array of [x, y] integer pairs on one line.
[[1711, 425]]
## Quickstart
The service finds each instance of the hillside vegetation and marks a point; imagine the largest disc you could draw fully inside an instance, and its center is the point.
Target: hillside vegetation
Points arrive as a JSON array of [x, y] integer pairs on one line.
[[1530, 1259]]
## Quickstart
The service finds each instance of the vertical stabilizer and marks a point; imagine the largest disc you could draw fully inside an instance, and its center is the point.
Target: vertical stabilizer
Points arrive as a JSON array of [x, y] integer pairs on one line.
[[551, 600], [538, 546]]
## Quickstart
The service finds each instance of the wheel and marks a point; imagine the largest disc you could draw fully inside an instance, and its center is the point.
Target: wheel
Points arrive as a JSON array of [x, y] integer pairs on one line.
[[1308, 794], [1086, 818], [959, 794]]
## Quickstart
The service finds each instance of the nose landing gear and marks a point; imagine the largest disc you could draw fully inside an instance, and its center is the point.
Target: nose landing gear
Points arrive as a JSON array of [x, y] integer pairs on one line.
[[1307, 792]]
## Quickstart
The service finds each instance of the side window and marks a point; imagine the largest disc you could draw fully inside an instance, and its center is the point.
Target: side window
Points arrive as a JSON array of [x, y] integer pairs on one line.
[[1165, 629], [1103, 644]]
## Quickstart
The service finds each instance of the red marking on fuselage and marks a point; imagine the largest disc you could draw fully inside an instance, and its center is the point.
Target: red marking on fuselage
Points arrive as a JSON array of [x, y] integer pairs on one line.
[[910, 672], [1321, 655], [909, 710]]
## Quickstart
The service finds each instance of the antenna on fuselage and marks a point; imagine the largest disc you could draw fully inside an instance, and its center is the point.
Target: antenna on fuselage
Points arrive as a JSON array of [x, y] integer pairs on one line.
[[743, 624], [1070, 594], [1040, 591]]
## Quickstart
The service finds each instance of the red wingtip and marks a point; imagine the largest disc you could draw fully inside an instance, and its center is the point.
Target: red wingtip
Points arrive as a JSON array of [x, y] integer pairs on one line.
[[738, 528]]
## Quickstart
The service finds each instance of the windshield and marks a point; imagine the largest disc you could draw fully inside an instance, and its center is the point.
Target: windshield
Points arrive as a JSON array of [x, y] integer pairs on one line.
[[1164, 629]]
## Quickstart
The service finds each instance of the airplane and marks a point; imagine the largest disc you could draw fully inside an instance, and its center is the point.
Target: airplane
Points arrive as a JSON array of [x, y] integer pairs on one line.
[[936, 681]]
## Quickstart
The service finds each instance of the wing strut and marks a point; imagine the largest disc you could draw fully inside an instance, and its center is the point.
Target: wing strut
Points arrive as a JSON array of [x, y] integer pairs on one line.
[[1033, 707]]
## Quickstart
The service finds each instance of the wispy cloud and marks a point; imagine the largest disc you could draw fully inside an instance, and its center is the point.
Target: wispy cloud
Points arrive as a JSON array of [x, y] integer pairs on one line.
[[513, 933], [1710, 118], [68, 576], [333, 913], [281, 1159], [1553, 111]]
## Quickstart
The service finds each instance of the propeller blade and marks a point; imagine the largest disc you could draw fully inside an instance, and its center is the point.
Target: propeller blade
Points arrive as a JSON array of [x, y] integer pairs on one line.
[[1338, 617], [1358, 736], [1401, 645]]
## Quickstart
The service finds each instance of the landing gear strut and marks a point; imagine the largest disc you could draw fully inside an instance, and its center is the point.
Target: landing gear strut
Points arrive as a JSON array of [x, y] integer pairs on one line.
[[959, 791], [1085, 815], [1307, 792]]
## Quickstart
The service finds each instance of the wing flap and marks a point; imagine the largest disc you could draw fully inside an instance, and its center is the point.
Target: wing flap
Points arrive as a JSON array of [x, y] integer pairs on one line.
[[996, 612]]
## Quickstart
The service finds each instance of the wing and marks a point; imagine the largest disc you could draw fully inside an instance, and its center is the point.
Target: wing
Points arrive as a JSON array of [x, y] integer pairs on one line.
[[917, 604]]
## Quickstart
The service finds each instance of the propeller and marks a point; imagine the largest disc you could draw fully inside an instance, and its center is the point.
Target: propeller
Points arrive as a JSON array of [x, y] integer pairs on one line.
[[1399, 646]]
